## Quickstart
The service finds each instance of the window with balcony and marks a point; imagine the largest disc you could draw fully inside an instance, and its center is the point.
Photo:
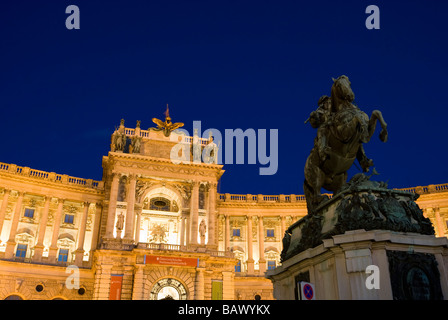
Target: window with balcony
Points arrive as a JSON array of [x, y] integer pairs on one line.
[[63, 255]]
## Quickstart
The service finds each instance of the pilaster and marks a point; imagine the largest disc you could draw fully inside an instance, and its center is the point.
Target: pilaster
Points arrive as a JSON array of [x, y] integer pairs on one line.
[[39, 247], [10, 245]]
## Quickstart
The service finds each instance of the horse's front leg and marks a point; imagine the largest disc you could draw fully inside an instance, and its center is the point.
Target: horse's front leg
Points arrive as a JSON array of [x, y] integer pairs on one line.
[[377, 115]]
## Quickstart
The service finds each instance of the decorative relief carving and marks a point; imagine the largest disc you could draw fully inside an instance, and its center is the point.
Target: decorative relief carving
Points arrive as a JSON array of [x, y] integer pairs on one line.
[[184, 190], [89, 223], [70, 209], [140, 188], [51, 214]]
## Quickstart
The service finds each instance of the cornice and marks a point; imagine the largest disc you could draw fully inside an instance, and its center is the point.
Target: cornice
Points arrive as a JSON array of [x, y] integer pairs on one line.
[[144, 158], [163, 165]]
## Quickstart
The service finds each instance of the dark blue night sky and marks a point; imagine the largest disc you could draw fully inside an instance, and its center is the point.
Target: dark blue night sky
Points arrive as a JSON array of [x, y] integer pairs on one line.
[[230, 64]]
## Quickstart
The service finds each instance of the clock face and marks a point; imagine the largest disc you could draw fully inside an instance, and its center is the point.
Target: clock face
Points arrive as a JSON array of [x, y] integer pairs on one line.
[[168, 289]]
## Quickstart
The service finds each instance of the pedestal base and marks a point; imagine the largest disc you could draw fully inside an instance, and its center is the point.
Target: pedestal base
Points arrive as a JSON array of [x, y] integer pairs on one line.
[[372, 265], [362, 204]]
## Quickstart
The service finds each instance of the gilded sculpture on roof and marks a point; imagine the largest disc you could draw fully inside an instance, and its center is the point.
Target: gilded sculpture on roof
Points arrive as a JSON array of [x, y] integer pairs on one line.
[[166, 126]]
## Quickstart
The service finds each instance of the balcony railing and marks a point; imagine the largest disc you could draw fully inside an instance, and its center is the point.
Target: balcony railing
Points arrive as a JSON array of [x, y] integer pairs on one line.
[[432, 188], [239, 198], [181, 248], [228, 197], [130, 132]]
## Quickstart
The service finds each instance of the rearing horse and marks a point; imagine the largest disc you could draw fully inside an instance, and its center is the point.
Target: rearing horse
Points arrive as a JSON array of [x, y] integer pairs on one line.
[[343, 134]]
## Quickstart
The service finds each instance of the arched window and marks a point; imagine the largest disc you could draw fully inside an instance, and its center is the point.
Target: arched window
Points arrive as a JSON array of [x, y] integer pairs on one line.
[[160, 204]]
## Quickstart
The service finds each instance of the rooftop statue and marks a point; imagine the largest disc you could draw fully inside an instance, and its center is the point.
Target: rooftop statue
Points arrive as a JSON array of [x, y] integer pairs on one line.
[[118, 139], [342, 128], [167, 126]]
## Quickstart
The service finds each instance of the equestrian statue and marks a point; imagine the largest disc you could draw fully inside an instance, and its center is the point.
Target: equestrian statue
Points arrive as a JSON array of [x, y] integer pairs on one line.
[[342, 128]]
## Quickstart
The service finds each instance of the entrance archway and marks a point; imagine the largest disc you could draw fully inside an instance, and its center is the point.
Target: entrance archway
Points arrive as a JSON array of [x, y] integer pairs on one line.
[[168, 289]]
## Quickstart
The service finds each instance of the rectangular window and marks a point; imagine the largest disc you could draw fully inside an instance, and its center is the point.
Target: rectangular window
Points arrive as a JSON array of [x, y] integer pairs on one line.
[[63, 255], [270, 233], [271, 264], [69, 218], [238, 266], [21, 250], [236, 232], [29, 213]]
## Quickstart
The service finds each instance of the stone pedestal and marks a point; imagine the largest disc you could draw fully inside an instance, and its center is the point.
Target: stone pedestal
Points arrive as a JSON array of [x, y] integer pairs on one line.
[[366, 242], [405, 265]]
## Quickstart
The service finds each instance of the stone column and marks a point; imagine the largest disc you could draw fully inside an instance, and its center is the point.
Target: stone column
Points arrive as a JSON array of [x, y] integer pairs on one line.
[[250, 258], [440, 228], [187, 230], [55, 235], [10, 245], [39, 247], [138, 286], [182, 231], [227, 237], [79, 253], [261, 261], [138, 225], [3, 208], [194, 204], [212, 214], [228, 285], [112, 206], [96, 225], [283, 225], [130, 216], [199, 290]]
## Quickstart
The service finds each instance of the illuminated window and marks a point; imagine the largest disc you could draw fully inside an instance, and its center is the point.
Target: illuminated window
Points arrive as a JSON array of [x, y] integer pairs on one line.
[[29, 213], [270, 233], [63, 255], [69, 218], [271, 264], [160, 204], [21, 250], [238, 266]]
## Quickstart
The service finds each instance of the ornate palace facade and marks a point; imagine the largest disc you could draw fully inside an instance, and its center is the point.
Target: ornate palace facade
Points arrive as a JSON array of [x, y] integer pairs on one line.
[[151, 229]]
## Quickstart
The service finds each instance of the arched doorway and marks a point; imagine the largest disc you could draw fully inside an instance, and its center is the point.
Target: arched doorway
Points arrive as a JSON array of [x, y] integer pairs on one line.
[[168, 289]]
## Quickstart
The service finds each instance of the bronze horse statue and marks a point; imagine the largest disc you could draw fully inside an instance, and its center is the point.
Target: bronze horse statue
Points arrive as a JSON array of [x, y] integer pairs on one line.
[[342, 130]]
